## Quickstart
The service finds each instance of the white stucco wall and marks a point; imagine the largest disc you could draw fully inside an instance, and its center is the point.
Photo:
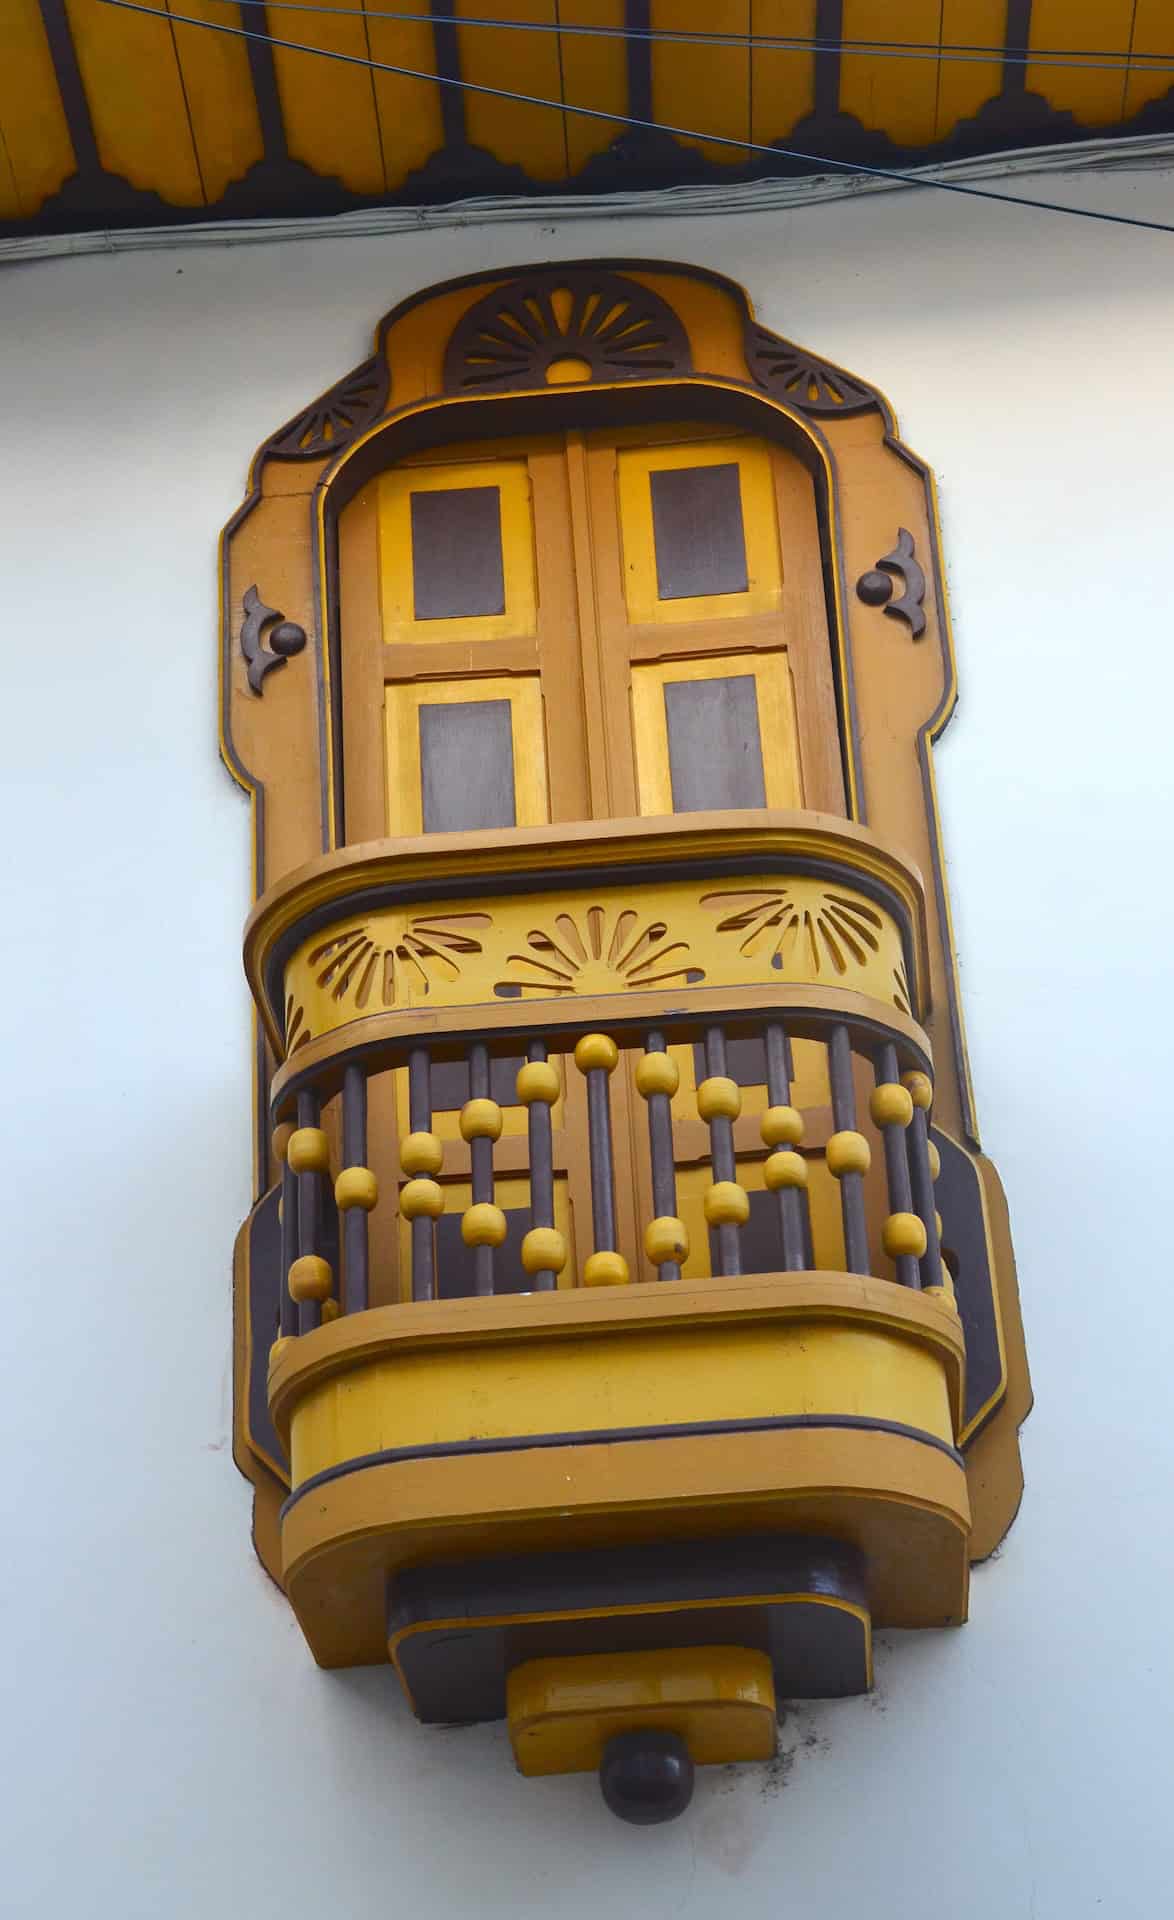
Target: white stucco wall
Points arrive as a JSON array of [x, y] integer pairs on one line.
[[168, 1747]]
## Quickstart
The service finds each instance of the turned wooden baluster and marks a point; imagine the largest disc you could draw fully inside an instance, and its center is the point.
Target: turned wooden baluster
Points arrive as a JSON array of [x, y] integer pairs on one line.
[[287, 1308], [719, 1102], [311, 1282], [355, 1191], [421, 1156], [785, 1171], [891, 1108], [666, 1240], [544, 1249], [596, 1056], [923, 1161], [483, 1225], [848, 1153]]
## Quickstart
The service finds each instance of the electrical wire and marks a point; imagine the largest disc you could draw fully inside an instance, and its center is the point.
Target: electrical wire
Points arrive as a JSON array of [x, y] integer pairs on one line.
[[1092, 60], [904, 179]]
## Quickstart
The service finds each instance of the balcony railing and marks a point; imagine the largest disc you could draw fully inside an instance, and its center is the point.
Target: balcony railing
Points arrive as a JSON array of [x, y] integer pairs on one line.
[[589, 961]]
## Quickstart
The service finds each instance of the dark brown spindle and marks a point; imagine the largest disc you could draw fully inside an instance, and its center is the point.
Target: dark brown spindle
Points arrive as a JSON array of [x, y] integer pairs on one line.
[[660, 1153], [309, 1211], [907, 1266], [289, 1246], [354, 1154], [423, 1228], [921, 1182], [721, 1155], [596, 1056], [541, 1167], [851, 1183], [481, 1166], [794, 1214]]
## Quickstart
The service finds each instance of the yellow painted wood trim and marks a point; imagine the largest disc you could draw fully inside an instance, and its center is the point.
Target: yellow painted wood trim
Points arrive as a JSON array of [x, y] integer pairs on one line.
[[447, 1029], [511, 478], [360, 1340], [402, 704], [764, 572], [557, 850], [778, 727], [905, 1505]]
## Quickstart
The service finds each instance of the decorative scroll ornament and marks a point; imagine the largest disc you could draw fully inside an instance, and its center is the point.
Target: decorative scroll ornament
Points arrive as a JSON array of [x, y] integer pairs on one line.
[[789, 373], [876, 588], [264, 651], [554, 329], [335, 419]]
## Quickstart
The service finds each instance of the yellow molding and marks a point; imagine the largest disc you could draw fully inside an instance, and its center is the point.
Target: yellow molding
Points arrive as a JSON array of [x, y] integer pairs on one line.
[[837, 1299]]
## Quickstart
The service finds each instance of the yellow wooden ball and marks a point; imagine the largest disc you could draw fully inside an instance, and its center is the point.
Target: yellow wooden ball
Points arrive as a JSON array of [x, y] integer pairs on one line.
[[666, 1238], [538, 1080], [935, 1160], [480, 1120], [605, 1269], [657, 1073], [781, 1127], [483, 1225], [421, 1153], [727, 1204], [356, 1187], [281, 1139], [891, 1105], [310, 1278], [785, 1170], [937, 1225], [544, 1250], [308, 1150], [903, 1233], [848, 1152], [330, 1311], [596, 1050], [421, 1199], [719, 1098], [920, 1088], [279, 1346]]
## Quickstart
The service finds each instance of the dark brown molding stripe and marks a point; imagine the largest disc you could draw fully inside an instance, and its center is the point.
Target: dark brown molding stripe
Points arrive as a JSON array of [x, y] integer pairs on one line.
[[1016, 40], [638, 19], [70, 85], [263, 72], [619, 1436], [829, 26], [447, 55]]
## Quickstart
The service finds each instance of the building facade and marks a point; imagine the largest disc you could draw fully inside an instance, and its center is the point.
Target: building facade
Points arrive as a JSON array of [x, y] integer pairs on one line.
[[1021, 355]]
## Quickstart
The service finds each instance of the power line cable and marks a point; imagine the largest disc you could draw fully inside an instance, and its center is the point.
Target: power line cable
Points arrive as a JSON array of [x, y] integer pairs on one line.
[[904, 179], [1090, 60]]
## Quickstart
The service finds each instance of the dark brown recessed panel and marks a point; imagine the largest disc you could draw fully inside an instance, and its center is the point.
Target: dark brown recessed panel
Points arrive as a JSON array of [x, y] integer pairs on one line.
[[457, 570], [456, 1274], [715, 747], [467, 766], [697, 529]]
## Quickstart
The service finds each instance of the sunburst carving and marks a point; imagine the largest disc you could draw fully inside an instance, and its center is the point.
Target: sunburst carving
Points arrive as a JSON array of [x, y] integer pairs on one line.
[[828, 934], [814, 386], [597, 951], [332, 421], [560, 328], [352, 965]]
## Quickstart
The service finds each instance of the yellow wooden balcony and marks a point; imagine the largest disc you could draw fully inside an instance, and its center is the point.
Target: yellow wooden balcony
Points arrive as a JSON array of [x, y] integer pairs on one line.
[[618, 1315]]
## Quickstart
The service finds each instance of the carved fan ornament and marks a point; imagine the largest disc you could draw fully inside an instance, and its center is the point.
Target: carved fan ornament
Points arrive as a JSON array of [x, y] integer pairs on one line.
[[598, 952], [351, 962], [562, 328], [812, 385], [833, 935], [352, 405]]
